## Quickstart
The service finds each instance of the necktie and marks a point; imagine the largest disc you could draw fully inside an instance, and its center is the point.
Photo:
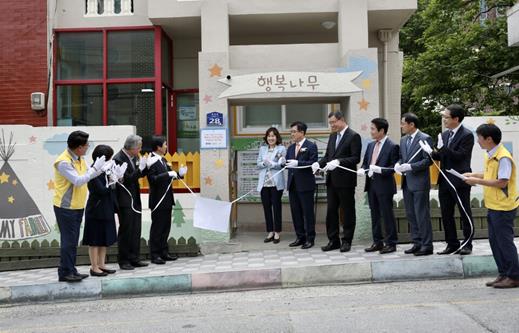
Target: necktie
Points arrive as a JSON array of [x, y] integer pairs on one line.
[[338, 140], [134, 162], [451, 135], [298, 146], [376, 151]]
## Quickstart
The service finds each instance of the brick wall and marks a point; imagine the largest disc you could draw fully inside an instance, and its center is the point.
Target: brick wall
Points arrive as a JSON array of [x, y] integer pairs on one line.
[[23, 60]]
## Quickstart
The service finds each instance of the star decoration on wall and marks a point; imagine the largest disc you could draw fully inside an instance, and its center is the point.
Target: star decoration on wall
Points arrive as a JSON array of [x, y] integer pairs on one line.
[[491, 121], [208, 181], [215, 71], [50, 185], [219, 163], [366, 84], [32, 139], [207, 99], [363, 104], [15, 182], [10, 200], [4, 178]]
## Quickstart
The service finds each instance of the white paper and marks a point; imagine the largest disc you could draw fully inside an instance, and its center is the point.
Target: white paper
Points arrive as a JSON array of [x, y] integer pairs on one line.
[[457, 174], [212, 214]]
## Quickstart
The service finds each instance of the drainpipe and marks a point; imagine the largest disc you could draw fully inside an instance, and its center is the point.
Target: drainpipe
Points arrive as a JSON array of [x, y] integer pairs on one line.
[[385, 36]]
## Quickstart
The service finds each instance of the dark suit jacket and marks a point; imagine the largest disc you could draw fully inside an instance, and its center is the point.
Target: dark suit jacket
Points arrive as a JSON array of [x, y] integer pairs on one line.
[[383, 183], [130, 181], [418, 179], [348, 153], [160, 181], [304, 178], [457, 156], [102, 201]]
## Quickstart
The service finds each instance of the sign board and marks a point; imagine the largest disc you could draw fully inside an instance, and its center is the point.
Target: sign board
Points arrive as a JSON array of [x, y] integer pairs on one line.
[[213, 138], [215, 119]]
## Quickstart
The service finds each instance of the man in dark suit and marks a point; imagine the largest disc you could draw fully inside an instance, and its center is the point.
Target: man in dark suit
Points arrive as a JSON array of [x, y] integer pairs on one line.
[[416, 183], [301, 185], [129, 236], [344, 148], [379, 160], [455, 152], [159, 176]]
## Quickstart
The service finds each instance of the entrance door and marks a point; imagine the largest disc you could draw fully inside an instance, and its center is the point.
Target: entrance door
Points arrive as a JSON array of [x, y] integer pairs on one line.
[[186, 109]]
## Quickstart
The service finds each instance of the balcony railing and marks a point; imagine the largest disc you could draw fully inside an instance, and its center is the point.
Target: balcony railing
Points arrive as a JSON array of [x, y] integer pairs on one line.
[[95, 8]]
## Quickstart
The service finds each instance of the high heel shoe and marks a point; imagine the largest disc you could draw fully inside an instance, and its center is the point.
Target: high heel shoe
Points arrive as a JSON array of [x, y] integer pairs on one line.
[[108, 271], [92, 273]]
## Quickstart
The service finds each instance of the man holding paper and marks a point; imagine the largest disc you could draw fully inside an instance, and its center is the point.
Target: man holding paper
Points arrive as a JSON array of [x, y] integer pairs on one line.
[[414, 166], [454, 151]]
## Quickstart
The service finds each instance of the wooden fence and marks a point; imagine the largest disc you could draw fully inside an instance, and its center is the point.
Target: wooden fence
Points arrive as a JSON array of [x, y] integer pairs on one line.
[[192, 178]]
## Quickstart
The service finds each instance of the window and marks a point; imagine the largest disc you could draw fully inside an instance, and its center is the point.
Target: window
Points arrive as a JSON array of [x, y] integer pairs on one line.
[[80, 56], [255, 118], [130, 54], [105, 7], [188, 135], [80, 105]]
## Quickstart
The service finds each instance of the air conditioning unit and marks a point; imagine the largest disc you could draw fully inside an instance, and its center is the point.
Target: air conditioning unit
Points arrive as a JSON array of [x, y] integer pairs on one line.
[[38, 101]]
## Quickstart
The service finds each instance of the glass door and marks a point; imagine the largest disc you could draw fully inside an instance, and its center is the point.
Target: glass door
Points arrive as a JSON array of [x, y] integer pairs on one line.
[[187, 121]]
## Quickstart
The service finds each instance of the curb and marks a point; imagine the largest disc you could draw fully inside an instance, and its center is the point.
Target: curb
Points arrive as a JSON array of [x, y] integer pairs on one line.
[[453, 267]]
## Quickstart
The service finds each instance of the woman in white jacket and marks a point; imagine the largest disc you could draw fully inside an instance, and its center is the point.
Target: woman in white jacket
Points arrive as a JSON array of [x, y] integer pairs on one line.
[[271, 159]]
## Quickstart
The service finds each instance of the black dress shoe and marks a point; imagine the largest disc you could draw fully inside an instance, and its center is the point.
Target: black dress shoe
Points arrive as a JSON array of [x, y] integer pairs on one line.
[[139, 264], [388, 249], [81, 276], [275, 240], [70, 278], [169, 257], [345, 247], [412, 250], [268, 239], [448, 250], [94, 273], [423, 252], [331, 246], [307, 245], [297, 242], [465, 251], [108, 271], [158, 261], [126, 267], [374, 247]]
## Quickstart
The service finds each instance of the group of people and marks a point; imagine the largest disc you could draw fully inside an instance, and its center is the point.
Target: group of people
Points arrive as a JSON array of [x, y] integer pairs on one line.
[[112, 186], [412, 159]]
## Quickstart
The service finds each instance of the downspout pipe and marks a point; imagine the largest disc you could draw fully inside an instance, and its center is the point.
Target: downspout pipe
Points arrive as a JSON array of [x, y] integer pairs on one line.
[[385, 35]]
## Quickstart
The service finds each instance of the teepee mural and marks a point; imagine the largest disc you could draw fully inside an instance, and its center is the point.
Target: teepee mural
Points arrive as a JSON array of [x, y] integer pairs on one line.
[[20, 218]]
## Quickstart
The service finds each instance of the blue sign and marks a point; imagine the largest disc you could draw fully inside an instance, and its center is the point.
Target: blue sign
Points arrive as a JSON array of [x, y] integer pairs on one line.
[[215, 119]]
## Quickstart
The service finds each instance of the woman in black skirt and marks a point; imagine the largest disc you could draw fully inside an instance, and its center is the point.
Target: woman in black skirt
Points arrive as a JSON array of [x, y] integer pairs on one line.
[[99, 232]]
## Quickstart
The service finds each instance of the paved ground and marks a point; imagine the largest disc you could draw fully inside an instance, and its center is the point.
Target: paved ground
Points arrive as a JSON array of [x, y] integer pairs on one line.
[[426, 306]]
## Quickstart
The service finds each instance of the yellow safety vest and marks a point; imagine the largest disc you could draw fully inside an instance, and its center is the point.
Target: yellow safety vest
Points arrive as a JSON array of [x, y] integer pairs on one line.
[[66, 195], [504, 199]]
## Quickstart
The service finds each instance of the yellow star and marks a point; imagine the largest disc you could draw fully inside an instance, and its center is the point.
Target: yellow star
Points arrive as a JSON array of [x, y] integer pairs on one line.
[[50, 185], [215, 70], [10, 199], [219, 163], [4, 178], [491, 121], [208, 180], [363, 104], [366, 84], [15, 182]]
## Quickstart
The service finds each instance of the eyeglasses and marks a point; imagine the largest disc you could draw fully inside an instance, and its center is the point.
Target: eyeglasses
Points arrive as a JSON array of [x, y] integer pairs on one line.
[[293, 131]]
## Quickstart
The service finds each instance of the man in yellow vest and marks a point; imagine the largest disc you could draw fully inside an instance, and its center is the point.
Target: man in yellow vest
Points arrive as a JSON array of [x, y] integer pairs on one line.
[[499, 183], [71, 175]]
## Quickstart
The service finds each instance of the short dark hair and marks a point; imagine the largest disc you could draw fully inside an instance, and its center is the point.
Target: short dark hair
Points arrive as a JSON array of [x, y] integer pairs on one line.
[[76, 139], [489, 130], [157, 141], [301, 127], [410, 117], [380, 123], [274, 130], [456, 111], [337, 114], [102, 150]]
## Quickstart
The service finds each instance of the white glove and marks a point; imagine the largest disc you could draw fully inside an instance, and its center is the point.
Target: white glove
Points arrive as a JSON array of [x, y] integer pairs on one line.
[[330, 166], [282, 161], [182, 171], [292, 163], [405, 167], [98, 164], [172, 174], [267, 162], [361, 172], [440, 141], [425, 146], [142, 162], [108, 165], [315, 167], [375, 169], [398, 169], [152, 160], [120, 170], [370, 173]]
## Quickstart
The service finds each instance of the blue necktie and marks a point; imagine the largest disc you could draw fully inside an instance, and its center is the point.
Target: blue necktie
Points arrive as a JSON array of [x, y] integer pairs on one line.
[[409, 140], [338, 140], [451, 136]]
